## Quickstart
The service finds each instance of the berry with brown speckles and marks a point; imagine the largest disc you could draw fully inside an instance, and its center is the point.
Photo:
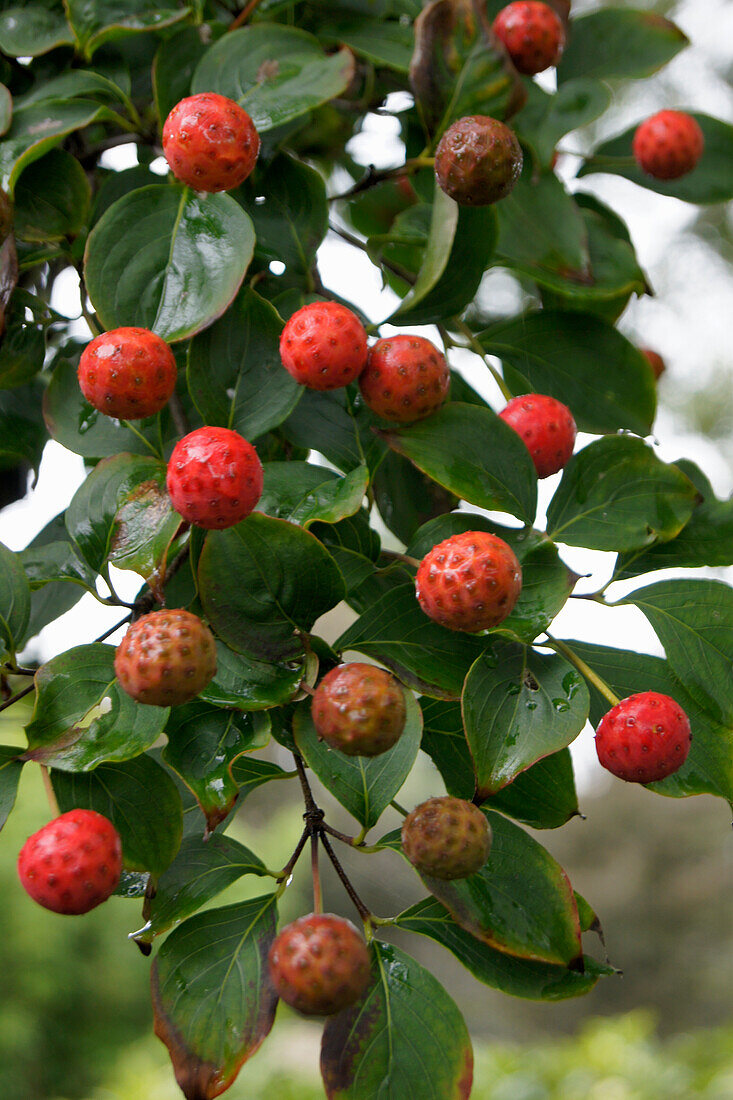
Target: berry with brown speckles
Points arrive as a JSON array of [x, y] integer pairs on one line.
[[478, 161], [319, 964], [406, 378], [128, 373], [73, 863], [324, 346], [359, 710], [210, 142], [668, 145], [547, 428], [214, 478], [655, 361], [469, 582], [166, 658], [446, 838], [644, 738]]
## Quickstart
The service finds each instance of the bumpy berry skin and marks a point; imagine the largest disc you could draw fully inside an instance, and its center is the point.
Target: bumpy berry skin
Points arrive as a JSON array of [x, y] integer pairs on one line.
[[644, 738], [324, 346], [478, 161], [210, 142], [128, 373], [359, 710], [166, 658], [319, 964], [469, 582], [655, 361], [446, 838], [214, 478], [547, 428], [73, 863], [406, 378], [533, 35], [668, 145]]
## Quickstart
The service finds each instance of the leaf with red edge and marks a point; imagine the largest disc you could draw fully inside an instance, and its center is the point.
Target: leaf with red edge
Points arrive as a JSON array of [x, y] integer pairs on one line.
[[213, 1001]]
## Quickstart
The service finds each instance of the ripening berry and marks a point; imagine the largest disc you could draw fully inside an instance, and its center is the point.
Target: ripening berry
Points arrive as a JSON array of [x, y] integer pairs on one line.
[[446, 838], [359, 710], [469, 582], [547, 428], [644, 738], [128, 373], [210, 142], [214, 478], [406, 378], [655, 361], [73, 863], [324, 346], [668, 145], [319, 964], [166, 658], [478, 161], [533, 35]]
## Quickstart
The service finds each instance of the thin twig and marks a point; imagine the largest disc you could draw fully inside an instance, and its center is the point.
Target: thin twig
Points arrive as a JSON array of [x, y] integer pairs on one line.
[[244, 15], [50, 793], [20, 695], [310, 802], [396, 269], [400, 809], [178, 415], [476, 348], [317, 894], [361, 908], [375, 176], [584, 669], [287, 870], [111, 630]]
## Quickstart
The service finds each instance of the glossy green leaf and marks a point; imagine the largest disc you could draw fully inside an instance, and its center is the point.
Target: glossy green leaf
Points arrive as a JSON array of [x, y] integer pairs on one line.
[[472, 453], [710, 182], [141, 801], [406, 498], [244, 683], [249, 773], [37, 129], [145, 522], [304, 493], [403, 1029], [82, 716], [22, 350], [200, 871], [543, 797], [333, 423], [79, 83], [386, 44], [443, 226], [95, 22], [546, 118], [168, 259], [277, 73], [175, 61], [51, 554], [33, 30], [15, 600], [10, 769], [518, 707], [52, 198], [262, 581], [213, 1002], [616, 42], [616, 494], [693, 620], [23, 433], [364, 786]]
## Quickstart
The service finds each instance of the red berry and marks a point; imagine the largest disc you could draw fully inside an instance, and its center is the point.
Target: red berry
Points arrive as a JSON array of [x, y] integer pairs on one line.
[[533, 35], [166, 658], [668, 145], [478, 160], [655, 361], [446, 838], [73, 863], [643, 738], [319, 964], [210, 142], [547, 428], [128, 373], [214, 477], [469, 582], [406, 378], [359, 710], [324, 346]]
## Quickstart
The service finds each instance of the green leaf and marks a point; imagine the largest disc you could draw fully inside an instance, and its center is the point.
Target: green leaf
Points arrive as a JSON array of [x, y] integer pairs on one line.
[[304, 493], [471, 452], [262, 581], [244, 683], [249, 773], [276, 73], [79, 83], [518, 977], [693, 620], [619, 43], [710, 182], [385, 44], [145, 522], [406, 498], [51, 554], [518, 707], [616, 494], [141, 801], [10, 769], [38, 128], [175, 61], [95, 22], [546, 118], [403, 1029], [33, 30], [443, 226], [23, 434], [203, 742], [82, 716], [213, 1001], [543, 797], [168, 259], [200, 871], [6, 109], [425, 656], [15, 600], [364, 786], [52, 198], [334, 424], [235, 376], [530, 913]]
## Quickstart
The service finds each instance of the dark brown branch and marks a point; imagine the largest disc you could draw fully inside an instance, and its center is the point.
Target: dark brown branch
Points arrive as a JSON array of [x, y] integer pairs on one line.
[[359, 904]]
